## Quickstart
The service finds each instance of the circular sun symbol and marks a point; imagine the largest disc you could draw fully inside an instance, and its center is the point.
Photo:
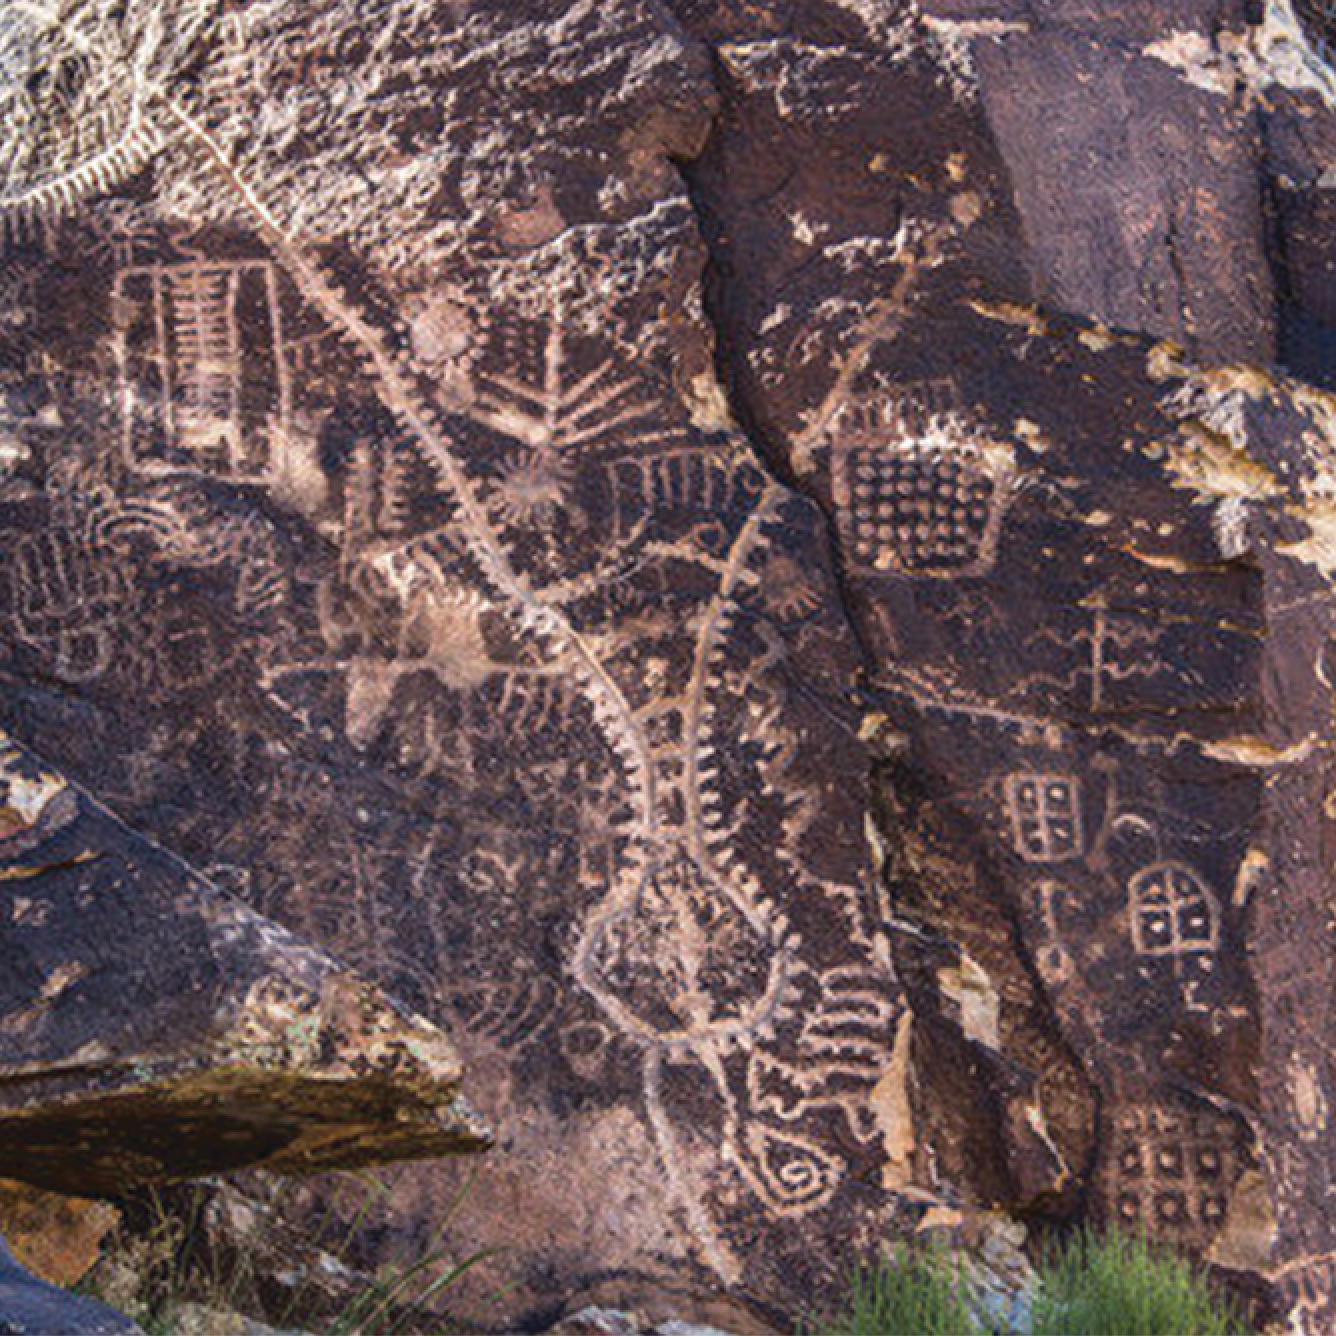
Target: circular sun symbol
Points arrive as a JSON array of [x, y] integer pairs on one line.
[[532, 489], [790, 588]]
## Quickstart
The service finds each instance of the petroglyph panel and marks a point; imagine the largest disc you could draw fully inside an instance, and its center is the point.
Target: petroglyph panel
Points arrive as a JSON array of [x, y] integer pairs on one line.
[[1171, 1171], [378, 531]]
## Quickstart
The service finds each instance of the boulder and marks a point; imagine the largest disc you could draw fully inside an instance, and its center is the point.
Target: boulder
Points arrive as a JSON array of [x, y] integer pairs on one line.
[[32, 1307], [153, 1029], [57, 1237]]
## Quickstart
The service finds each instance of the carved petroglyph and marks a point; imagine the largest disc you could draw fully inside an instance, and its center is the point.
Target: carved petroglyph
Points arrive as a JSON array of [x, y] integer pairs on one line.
[[554, 413], [1052, 955], [919, 250], [58, 599], [184, 529], [789, 1173], [1117, 645], [197, 391], [1308, 1098], [79, 87], [1045, 814], [841, 1046], [1175, 919], [1171, 1171], [1308, 1290], [926, 504], [684, 964]]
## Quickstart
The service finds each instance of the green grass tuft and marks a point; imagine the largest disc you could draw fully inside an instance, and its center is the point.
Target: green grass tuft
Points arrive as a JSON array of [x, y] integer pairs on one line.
[[1093, 1285], [916, 1292], [1110, 1285]]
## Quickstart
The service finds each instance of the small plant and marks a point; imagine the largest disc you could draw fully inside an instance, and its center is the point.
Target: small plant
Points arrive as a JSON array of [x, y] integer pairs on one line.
[[169, 1265], [914, 1292], [1110, 1285]]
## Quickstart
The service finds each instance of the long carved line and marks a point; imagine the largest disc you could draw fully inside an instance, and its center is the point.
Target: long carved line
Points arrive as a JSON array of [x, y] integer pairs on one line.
[[717, 1255], [610, 706], [881, 325]]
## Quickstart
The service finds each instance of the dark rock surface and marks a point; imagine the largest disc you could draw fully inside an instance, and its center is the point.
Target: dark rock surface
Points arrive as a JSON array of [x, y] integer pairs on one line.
[[749, 558], [154, 1029]]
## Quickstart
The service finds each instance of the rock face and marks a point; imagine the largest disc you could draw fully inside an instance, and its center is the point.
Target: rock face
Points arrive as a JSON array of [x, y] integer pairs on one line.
[[57, 1237], [631, 524], [154, 1029]]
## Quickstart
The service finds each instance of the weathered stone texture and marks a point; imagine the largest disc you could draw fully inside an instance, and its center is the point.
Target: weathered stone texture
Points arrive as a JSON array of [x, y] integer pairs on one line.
[[708, 548], [154, 1029]]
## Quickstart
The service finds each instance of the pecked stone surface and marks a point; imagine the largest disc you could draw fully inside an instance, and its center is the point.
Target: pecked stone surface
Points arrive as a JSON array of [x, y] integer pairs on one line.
[[153, 1029], [1091, 582], [624, 522], [383, 545]]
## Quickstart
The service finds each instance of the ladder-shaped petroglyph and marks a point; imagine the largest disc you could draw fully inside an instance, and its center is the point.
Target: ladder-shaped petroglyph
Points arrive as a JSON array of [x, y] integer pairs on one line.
[[199, 391]]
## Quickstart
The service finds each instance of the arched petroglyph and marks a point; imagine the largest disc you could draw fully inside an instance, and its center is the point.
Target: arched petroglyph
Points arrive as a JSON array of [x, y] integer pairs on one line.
[[1175, 918], [80, 87]]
